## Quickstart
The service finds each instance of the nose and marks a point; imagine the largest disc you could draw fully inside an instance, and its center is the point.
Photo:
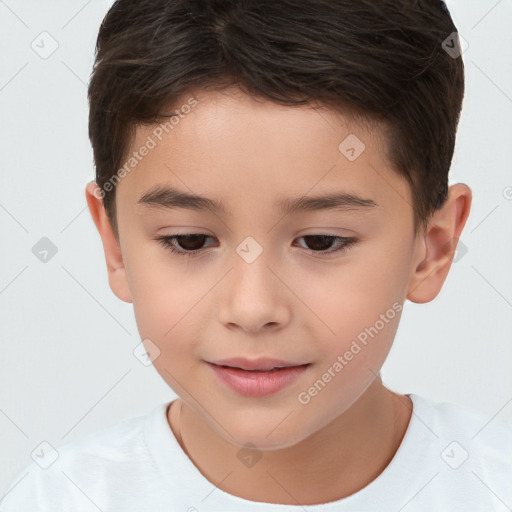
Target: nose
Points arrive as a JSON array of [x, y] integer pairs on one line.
[[254, 297]]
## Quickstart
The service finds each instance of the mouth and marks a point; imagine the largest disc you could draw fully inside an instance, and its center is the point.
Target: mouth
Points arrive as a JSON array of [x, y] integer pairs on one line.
[[264, 364], [260, 381], [269, 370]]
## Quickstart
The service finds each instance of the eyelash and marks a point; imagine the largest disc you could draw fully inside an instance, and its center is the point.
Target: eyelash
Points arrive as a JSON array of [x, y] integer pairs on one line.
[[167, 243]]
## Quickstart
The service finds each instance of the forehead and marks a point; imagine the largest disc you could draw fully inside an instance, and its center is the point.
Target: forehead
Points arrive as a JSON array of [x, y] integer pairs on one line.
[[237, 148]]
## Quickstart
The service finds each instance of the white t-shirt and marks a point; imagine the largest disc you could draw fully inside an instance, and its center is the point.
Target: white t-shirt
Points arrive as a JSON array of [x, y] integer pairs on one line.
[[451, 458]]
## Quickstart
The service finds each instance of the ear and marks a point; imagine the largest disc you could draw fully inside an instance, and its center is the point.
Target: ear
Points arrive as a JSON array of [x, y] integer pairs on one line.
[[117, 276], [437, 244]]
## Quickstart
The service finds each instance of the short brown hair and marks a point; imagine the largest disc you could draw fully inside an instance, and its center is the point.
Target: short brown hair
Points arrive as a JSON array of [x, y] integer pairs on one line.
[[379, 60]]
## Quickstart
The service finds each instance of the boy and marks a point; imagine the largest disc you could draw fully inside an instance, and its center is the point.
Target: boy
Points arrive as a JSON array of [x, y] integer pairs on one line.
[[309, 143]]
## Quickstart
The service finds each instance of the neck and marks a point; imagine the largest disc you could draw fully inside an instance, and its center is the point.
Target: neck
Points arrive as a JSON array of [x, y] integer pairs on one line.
[[336, 461]]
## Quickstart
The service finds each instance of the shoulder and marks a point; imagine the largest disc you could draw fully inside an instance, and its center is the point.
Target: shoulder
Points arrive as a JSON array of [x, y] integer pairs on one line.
[[71, 473], [464, 433], [457, 419]]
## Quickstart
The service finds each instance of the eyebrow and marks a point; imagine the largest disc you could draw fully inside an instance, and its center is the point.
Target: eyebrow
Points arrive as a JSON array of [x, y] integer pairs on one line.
[[172, 198]]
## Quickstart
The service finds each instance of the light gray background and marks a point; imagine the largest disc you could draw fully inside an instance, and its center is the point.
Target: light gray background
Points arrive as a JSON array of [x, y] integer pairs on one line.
[[67, 367]]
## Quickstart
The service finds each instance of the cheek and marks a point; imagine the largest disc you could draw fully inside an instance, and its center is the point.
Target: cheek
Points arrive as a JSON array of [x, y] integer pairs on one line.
[[167, 318], [355, 307], [350, 296], [350, 362], [168, 303], [161, 296]]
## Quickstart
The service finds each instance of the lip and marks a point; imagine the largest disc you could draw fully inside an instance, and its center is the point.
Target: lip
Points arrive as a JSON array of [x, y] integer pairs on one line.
[[261, 363], [258, 383]]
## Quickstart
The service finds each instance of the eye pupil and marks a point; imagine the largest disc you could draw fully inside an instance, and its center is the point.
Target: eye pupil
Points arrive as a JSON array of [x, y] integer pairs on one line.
[[192, 237], [324, 240]]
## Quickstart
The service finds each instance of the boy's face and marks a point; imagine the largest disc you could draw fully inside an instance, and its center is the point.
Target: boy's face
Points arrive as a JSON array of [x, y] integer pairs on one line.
[[286, 302]]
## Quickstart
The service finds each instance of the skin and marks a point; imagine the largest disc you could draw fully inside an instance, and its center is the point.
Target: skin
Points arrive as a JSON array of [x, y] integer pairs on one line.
[[288, 303]]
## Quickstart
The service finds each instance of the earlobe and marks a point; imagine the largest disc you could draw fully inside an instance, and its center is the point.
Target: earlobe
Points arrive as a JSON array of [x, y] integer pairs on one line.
[[436, 247], [117, 276]]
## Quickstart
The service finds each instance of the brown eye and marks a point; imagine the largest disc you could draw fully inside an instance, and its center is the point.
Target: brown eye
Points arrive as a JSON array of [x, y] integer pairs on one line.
[[189, 244], [192, 242], [321, 244]]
